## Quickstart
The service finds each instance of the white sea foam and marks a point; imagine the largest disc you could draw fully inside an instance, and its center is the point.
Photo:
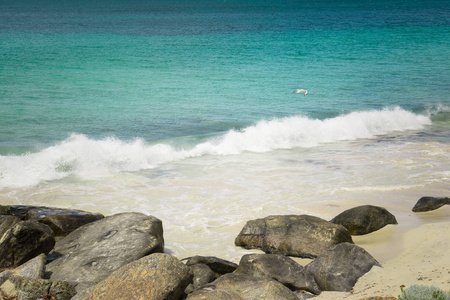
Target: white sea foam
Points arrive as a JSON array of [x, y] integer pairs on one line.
[[90, 159]]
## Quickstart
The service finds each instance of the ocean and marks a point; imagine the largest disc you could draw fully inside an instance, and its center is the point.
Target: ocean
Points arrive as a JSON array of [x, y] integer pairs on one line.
[[185, 110]]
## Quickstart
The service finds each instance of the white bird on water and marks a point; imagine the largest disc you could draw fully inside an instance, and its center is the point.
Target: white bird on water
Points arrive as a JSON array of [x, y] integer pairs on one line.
[[298, 91]]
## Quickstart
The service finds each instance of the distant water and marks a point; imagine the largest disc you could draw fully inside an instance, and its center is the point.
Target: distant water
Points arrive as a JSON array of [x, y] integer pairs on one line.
[[184, 109]]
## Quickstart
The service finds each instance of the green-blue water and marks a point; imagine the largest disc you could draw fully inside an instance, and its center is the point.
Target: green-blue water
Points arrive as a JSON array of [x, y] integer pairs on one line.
[[92, 92]]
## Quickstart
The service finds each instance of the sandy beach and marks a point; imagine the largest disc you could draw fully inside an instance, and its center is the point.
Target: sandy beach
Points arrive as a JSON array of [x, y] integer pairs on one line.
[[408, 256]]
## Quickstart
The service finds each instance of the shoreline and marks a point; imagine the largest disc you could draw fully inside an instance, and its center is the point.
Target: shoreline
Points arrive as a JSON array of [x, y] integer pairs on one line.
[[415, 253]]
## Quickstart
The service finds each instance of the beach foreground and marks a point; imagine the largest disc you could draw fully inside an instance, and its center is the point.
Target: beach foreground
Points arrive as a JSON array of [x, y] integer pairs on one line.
[[424, 260]]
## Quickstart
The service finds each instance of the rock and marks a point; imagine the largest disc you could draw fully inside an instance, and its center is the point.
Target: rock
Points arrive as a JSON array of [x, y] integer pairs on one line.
[[158, 276], [24, 241], [6, 222], [202, 275], [430, 203], [93, 251], [338, 268], [32, 289], [62, 221], [218, 265], [33, 269], [237, 286], [280, 268], [364, 219], [303, 236]]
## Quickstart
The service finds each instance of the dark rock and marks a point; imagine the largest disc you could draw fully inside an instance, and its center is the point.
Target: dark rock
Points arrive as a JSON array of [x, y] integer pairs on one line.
[[6, 222], [32, 289], [158, 276], [24, 241], [280, 268], [202, 275], [338, 268], [303, 236], [92, 252], [62, 221], [364, 219], [218, 265], [430, 203], [238, 286]]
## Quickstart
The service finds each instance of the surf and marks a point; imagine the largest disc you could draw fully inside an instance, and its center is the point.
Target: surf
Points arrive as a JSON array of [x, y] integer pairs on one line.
[[89, 159]]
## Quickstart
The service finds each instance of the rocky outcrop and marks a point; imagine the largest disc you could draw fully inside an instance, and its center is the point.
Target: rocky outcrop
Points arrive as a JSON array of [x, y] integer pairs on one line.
[[23, 241], [430, 203], [303, 236], [92, 252], [157, 276], [338, 268], [238, 286], [280, 268], [364, 219], [6, 222], [61, 221], [202, 275]]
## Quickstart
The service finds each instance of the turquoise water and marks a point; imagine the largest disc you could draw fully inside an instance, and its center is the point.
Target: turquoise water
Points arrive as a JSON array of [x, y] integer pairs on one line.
[[163, 106]]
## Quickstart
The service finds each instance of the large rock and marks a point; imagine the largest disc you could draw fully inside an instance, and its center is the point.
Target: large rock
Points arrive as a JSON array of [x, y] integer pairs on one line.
[[278, 267], [303, 236], [218, 265], [61, 221], [32, 289], [237, 286], [158, 276], [338, 268], [364, 219], [92, 252], [24, 241], [430, 203]]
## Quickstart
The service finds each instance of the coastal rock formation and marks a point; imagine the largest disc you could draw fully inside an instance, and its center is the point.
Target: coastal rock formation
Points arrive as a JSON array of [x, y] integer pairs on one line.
[[238, 286], [32, 289], [338, 268], [92, 252], [430, 203], [158, 276], [23, 241], [61, 221], [217, 265], [303, 236], [364, 219], [280, 268]]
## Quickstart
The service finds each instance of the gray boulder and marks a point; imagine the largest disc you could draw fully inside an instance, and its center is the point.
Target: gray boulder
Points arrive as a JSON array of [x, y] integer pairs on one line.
[[158, 276], [32, 289], [92, 252], [24, 241], [217, 265], [338, 268], [242, 287], [303, 236], [364, 219], [280, 268], [430, 203]]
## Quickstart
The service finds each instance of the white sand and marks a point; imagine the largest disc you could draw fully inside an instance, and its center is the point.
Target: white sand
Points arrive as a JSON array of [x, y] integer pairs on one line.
[[424, 259]]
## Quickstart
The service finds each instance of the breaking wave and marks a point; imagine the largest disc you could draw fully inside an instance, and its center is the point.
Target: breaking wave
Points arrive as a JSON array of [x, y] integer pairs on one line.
[[88, 158]]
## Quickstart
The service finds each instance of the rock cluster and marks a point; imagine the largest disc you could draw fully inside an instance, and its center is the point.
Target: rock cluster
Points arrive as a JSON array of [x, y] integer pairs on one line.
[[53, 253]]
